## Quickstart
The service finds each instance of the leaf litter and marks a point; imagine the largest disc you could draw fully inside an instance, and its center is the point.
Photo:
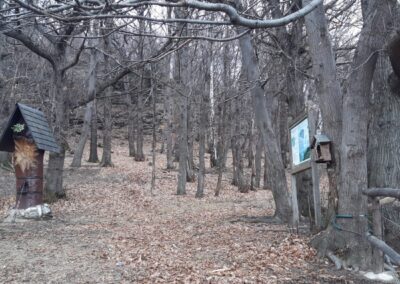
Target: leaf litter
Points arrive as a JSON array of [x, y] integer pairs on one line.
[[111, 229]]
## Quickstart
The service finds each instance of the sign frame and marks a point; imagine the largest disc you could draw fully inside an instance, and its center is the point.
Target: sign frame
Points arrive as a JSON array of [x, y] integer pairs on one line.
[[305, 165]]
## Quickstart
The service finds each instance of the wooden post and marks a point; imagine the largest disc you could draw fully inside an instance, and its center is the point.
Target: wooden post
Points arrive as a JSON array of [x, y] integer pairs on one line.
[[312, 125], [295, 205], [377, 229], [316, 196]]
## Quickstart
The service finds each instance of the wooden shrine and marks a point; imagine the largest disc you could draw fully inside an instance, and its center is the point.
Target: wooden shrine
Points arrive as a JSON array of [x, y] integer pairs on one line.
[[27, 136]]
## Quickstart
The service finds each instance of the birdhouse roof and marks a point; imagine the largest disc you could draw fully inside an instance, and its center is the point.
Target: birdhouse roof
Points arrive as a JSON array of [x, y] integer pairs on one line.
[[319, 139], [38, 126]]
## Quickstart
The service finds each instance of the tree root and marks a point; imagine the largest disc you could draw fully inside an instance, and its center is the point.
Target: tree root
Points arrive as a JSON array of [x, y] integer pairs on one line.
[[336, 260], [264, 220]]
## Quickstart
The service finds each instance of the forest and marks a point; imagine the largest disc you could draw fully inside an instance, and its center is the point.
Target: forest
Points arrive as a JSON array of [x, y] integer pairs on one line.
[[199, 141]]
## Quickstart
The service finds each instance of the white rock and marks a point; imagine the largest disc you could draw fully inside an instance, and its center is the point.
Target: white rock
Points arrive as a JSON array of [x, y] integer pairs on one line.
[[32, 213], [386, 276]]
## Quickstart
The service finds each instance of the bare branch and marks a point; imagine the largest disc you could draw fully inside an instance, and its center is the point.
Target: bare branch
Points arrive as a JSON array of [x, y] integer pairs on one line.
[[388, 192], [76, 58], [234, 17], [30, 44]]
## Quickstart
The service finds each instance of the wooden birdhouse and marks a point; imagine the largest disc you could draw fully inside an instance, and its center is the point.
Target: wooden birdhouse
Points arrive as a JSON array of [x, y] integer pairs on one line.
[[322, 147], [27, 135]]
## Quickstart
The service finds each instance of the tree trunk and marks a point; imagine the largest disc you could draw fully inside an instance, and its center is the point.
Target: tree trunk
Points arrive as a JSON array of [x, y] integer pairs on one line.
[[264, 123], [54, 175], [139, 130], [383, 147], [131, 121], [257, 161], [183, 154], [77, 160], [190, 170], [145, 85], [93, 155], [107, 115], [202, 146], [353, 148], [354, 174], [250, 153], [328, 90], [107, 130], [168, 105], [213, 147], [222, 145], [153, 92]]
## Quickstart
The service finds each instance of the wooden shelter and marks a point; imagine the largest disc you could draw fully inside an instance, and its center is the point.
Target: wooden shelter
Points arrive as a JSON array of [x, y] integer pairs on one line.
[[27, 135]]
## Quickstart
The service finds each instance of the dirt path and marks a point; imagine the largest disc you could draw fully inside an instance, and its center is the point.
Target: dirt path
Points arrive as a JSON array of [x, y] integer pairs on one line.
[[112, 230]]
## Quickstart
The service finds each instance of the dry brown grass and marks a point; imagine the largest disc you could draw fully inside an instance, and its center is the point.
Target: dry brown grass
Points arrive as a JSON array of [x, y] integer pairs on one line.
[[25, 155]]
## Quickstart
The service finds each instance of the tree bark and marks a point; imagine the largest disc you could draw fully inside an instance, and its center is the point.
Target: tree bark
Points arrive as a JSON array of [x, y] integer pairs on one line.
[[168, 105], [107, 130], [183, 155], [77, 160], [139, 130], [145, 85], [202, 145], [354, 174], [328, 90], [190, 176], [263, 120], [107, 115], [54, 176], [131, 121], [353, 136], [93, 155], [257, 161], [153, 92]]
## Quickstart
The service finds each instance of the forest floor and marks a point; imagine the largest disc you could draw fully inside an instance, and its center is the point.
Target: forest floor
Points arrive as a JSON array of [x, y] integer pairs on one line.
[[112, 229]]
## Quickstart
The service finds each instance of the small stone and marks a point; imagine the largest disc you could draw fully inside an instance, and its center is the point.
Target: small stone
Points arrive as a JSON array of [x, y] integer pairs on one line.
[[120, 264]]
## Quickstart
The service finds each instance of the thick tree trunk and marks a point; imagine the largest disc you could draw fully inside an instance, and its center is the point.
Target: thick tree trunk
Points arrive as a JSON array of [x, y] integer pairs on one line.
[[93, 156], [383, 147], [353, 148], [77, 160], [264, 123], [54, 176], [107, 109], [293, 103], [354, 174], [328, 90]]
